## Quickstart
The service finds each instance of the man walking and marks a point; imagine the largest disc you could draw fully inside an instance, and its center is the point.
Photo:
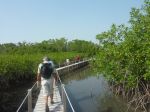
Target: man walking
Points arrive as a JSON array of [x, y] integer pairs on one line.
[[45, 77]]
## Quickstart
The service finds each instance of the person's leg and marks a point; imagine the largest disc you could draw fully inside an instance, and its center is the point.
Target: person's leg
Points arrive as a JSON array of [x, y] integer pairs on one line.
[[51, 96], [46, 104], [45, 88], [46, 100], [51, 89]]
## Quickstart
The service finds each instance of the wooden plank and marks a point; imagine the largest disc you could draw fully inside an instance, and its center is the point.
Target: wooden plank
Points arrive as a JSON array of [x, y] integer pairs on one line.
[[56, 107]]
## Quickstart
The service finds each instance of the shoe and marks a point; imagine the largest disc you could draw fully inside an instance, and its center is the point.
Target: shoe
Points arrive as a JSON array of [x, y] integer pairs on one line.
[[46, 108]]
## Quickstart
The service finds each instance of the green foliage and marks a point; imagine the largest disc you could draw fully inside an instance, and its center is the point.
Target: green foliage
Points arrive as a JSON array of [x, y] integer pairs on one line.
[[51, 45], [20, 61], [18, 66], [124, 54]]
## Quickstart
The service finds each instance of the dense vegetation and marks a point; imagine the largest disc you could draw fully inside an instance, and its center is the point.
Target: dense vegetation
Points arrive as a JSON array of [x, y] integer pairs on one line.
[[19, 61], [124, 57], [46, 46]]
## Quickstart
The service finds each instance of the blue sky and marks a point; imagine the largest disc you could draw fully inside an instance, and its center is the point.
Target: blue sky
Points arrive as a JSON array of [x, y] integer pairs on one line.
[[38, 20]]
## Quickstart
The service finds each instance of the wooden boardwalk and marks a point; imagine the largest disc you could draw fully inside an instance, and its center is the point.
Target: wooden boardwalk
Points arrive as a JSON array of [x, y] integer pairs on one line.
[[56, 107], [58, 104]]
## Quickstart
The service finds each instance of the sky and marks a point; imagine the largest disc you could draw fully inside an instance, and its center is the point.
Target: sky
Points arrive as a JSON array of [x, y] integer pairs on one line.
[[38, 20]]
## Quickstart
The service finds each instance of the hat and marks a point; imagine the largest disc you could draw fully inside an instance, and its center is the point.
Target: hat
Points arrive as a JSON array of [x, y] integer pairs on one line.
[[45, 58]]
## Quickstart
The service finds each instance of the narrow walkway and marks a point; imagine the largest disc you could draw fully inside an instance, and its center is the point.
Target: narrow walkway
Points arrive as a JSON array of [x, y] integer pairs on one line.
[[56, 107]]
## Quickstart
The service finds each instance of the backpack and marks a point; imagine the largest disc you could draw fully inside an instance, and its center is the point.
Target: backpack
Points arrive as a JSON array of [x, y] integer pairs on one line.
[[46, 70]]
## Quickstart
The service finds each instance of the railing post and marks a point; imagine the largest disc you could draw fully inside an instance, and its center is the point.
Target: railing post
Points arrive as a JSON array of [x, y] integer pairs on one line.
[[29, 100], [68, 69], [63, 97]]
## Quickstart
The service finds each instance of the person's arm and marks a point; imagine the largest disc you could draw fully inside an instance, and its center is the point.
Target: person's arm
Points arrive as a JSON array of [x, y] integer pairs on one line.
[[55, 75], [39, 76]]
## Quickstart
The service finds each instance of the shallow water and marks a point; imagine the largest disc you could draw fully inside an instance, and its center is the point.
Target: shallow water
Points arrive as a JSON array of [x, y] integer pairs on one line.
[[90, 92]]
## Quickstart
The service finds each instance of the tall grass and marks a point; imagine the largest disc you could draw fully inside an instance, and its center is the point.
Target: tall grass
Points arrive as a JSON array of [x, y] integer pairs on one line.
[[13, 67]]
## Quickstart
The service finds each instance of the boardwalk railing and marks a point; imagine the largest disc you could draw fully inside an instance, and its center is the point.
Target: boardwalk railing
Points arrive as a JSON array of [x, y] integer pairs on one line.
[[26, 105], [64, 98], [64, 95]]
